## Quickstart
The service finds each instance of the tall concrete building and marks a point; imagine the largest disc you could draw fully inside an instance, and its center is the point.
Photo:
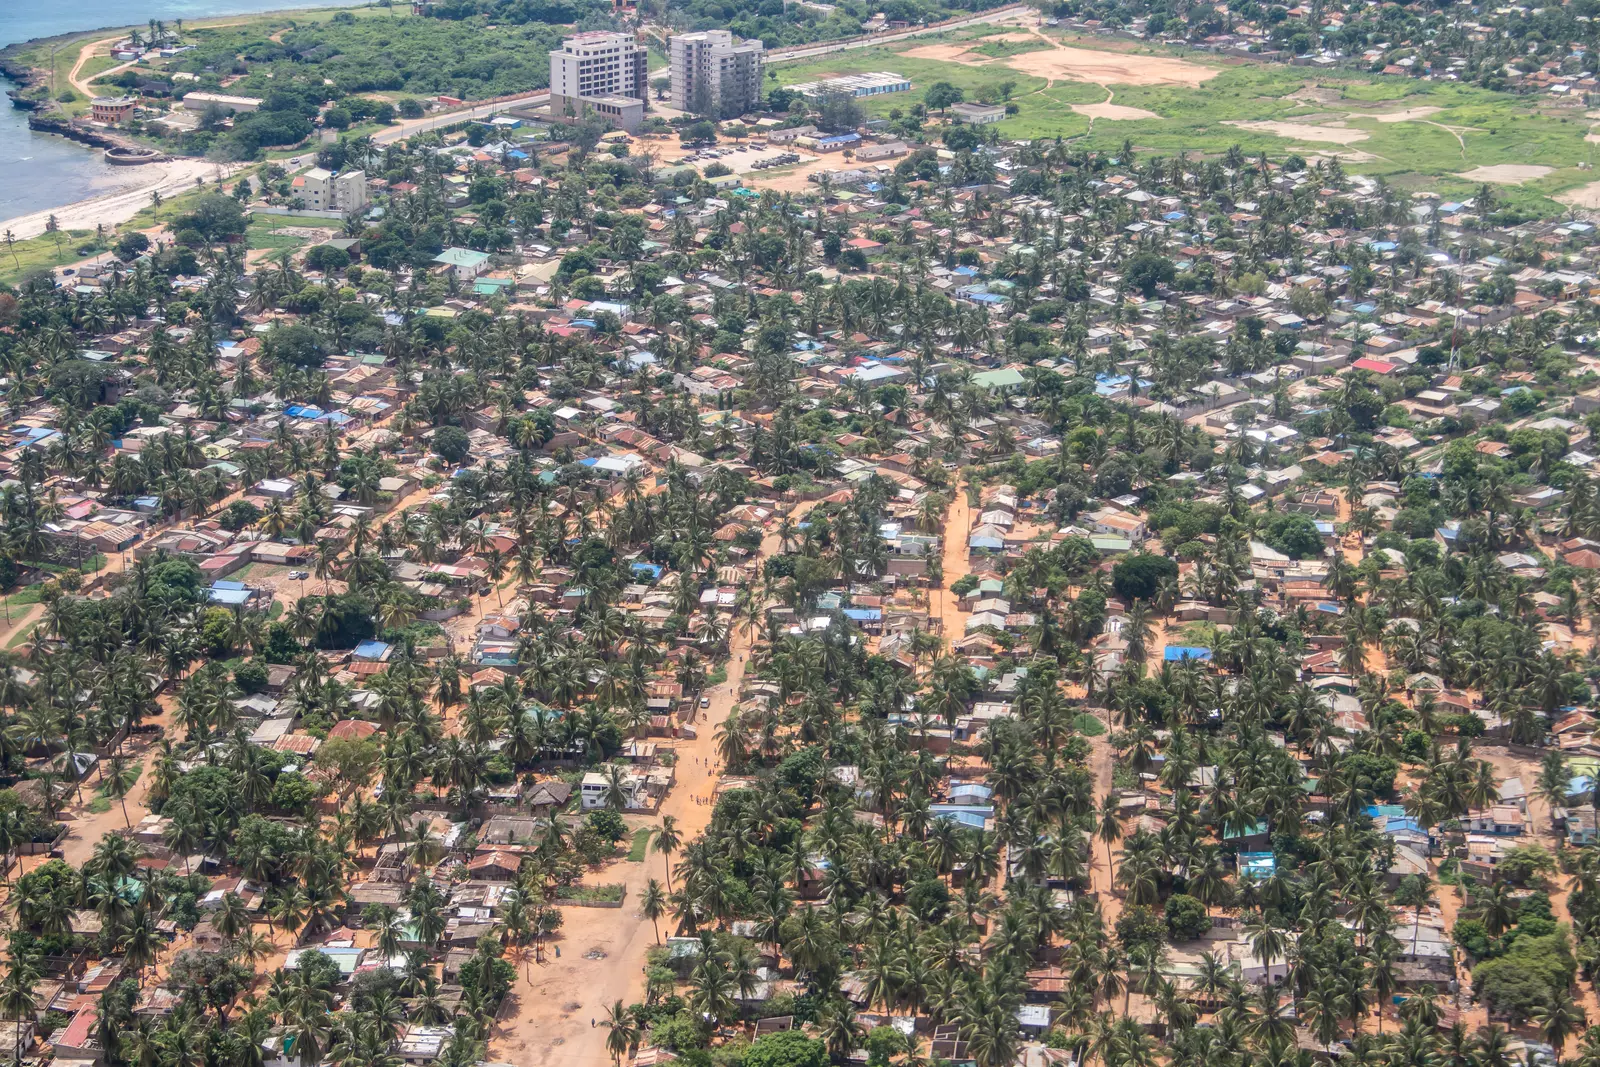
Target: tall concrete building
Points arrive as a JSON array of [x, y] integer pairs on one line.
[[323, 190], [714, 73], [599, 73]]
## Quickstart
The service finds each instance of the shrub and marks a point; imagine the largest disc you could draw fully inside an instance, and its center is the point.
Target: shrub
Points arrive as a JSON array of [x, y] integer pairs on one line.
[[787, 1048], [1137, 577], [1186, 917], [450, 443], [250, 677]]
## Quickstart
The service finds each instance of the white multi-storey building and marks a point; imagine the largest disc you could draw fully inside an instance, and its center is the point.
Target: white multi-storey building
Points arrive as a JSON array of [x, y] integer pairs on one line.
[[714, 73], [601, 73], [323, 190]]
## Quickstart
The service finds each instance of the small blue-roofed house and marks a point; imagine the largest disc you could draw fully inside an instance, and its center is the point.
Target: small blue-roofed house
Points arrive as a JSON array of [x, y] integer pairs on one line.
[[972, 816], [1250, 838], [970, 794], [869, 619], [230, 594], [373, 651], [642, 569], [1257, 866], [1179, 653]]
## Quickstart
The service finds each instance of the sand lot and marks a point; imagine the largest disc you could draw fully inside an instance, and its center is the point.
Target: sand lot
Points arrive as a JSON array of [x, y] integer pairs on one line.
[[1582, 196], [1506, 173], [1113, 68], [1300, 131], [1408, 114], [1113, 112], [1078, 64], [948, 53]]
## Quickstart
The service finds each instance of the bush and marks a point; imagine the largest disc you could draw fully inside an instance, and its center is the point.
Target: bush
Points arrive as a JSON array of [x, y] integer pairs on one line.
[[328, 259], [1533, 970], [1526, 863], [239, 514], [1186, 917], [131, 245], [1138, 925], [1472, 937], [1147, 270], [608, 824], [450, 443], [1137, 577], [250, 677], [787, 1048], [1295, 535]]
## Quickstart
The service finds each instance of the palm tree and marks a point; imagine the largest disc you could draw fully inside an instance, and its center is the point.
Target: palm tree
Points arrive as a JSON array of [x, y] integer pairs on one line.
[[1110, 828], [119, 778], [667, 841], [653, 905], [1558, 1020], [16, 994], [622, 1034]]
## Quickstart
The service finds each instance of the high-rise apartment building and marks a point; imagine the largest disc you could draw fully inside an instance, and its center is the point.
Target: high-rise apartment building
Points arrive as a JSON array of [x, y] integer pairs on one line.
[[323, 190], [601, 73], [714, 73]]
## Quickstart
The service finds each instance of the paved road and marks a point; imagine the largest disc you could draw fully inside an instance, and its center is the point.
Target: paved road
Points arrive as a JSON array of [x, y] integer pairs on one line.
[[999, 14], [450, 118]]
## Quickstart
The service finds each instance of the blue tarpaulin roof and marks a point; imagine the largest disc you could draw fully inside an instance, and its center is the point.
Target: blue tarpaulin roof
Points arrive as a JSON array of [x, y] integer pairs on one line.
[[1176, 653]]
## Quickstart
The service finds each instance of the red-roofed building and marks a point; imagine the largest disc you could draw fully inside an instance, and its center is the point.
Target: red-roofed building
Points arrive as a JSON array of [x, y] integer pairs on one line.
[[352, 729], [1376, 366]]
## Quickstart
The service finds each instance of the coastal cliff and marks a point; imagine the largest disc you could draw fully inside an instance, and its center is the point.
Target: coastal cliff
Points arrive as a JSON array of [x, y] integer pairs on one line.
[[62, 127], [26, 78]]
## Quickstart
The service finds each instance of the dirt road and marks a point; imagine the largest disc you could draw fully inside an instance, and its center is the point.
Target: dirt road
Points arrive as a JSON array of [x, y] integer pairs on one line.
[[999, 14], [87, 52], [603, 950]]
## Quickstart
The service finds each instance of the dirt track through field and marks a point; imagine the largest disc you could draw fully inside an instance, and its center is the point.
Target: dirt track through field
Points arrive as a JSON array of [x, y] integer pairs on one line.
[[1061, 61]]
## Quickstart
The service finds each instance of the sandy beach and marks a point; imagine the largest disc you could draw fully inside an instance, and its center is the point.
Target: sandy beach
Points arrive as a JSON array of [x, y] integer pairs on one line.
[[120, 203]]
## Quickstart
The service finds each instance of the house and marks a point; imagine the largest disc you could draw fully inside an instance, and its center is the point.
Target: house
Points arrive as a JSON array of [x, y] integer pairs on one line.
[[463, 264], [977, 114], [1580, 825], [1504, 819]]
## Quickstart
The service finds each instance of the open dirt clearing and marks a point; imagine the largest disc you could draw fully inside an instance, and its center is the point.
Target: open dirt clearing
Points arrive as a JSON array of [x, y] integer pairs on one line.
[[1583, 196], [1300, 131], [1506, 173], [1113, 112], [1110, 68], [1407, 115], [948, 53]]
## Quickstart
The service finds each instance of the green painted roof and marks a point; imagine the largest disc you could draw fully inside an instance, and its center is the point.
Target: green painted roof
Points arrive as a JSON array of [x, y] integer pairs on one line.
[[1004, 378]]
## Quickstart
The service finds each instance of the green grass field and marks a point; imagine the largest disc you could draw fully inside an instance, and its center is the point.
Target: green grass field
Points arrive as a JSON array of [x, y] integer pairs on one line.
[[1472, 127], [259, 232], [22, 258]]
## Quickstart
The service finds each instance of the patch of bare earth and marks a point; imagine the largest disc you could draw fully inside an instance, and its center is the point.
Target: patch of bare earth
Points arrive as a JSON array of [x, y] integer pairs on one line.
[[1583, 196], [1506, 173], [948, 53], [1301, 131], [1110, 68], [1408, 115], [1114, 112]]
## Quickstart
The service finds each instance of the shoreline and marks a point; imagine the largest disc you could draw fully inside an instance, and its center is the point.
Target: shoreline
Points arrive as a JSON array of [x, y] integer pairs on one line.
[[131, 195], [116, 206], [7, 50]]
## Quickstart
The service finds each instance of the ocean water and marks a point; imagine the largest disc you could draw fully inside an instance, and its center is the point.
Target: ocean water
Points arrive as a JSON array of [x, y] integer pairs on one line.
[[38, 171]]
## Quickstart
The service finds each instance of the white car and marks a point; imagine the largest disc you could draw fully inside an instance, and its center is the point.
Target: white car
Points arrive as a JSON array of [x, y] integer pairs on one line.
[[705, 702]]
